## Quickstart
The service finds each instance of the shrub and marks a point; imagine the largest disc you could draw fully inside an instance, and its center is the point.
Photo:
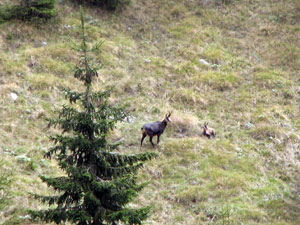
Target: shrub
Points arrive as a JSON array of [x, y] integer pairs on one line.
[[29, 9], [109, 4]]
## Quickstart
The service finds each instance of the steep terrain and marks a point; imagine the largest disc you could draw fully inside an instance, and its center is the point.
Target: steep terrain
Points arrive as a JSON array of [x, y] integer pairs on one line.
[[235, 66]]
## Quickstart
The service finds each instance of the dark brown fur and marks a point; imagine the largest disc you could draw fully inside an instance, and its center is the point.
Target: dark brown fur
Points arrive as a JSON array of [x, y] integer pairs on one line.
[[155, 129], [208, 131]]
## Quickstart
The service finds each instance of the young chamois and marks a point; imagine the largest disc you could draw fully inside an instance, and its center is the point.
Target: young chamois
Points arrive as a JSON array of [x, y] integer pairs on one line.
[[156, 128], [208, 132]]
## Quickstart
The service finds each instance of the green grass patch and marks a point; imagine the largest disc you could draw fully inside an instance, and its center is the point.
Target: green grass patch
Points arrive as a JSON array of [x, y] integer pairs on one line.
[[272, 79], [219, 80]]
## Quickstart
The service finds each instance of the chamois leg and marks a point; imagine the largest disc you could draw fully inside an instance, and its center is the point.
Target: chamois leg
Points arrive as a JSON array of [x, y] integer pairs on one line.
[[144, 135], [158, 138], [151, 141]]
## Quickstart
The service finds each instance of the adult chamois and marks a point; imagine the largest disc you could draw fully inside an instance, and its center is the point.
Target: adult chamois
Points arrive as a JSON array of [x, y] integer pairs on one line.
[[208, 131], [156, 128]]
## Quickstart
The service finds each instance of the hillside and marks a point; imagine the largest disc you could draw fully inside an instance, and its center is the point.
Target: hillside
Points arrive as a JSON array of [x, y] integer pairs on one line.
[[235, 66]]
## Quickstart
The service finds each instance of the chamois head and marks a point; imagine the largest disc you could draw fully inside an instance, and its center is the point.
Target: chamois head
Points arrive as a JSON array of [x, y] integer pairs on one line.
[[167, 117], [205, 126]]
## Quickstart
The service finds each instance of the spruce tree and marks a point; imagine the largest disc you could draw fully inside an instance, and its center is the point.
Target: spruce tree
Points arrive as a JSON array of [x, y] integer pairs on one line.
[[99, 181]]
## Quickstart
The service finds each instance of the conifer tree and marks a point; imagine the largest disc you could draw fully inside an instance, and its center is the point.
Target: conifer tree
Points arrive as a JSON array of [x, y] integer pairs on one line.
[[99, 181]]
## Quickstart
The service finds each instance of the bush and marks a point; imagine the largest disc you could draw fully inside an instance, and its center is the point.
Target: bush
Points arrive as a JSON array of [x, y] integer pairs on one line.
[[109, 4], [29, 9]]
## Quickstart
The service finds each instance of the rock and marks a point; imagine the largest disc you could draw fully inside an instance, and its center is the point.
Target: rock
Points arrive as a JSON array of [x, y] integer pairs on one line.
[[7, 151], [23, 159], [278, 141], [44, 43], [67, 26], [130, 119], [147, 60], [240, 151], [28, 111], [249, 125], [25, 217], [14, 96], [204, 62]]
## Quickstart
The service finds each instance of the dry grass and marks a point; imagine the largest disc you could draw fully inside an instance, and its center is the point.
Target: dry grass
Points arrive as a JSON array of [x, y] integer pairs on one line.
[[248, 92]]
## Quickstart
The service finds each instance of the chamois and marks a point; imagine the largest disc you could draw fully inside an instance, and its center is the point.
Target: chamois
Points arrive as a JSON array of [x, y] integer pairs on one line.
[[208, 132], [156, 128]]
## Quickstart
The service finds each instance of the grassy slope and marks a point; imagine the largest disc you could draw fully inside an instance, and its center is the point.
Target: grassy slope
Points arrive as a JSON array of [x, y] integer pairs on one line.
[[249, 94]]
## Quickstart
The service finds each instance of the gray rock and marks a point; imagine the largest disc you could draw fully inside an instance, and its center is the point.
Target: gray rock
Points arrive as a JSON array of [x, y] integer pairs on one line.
[[130, 119], [25, 217], [204, 62], [67, 26], [14, 96], [249, 125], [240, 151], [23, 158]]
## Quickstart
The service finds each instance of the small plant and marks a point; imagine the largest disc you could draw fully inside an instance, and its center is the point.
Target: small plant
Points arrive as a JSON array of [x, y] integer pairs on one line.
[[5, 181], [225, 214], [220, 214]]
